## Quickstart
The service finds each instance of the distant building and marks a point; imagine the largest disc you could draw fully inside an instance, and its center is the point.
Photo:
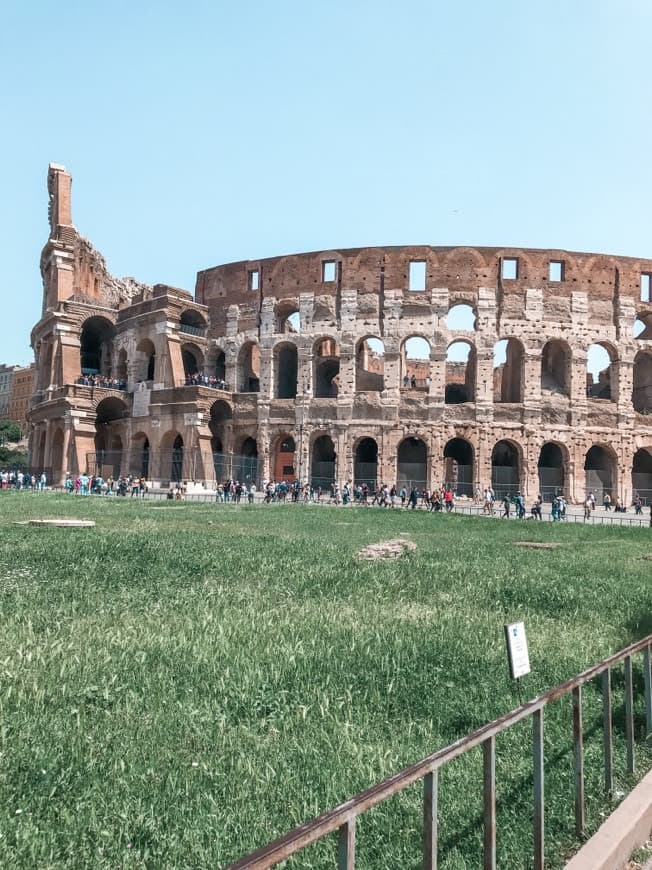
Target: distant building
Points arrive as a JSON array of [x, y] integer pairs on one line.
[[6, 378], [21, 392]]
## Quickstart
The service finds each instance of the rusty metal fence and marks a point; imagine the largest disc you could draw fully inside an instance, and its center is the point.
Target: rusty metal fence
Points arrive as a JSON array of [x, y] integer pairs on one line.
[[343, 818]]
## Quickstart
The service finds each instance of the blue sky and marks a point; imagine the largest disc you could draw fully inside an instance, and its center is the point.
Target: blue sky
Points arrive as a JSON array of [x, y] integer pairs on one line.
[[211, 131]]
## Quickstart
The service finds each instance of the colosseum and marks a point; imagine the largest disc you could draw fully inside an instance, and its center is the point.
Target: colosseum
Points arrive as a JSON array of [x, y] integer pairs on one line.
[[527, 369]]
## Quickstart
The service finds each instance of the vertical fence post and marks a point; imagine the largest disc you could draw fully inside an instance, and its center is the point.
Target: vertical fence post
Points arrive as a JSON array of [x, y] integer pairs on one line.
[[578, 761], [539, 800], [607, 732], [489, 798], [629, 714], [647, 679], [346, 846], [430, 787]]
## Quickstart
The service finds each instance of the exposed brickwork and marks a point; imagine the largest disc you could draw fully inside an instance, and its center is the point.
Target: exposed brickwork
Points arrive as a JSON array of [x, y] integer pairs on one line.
[[326, 382]]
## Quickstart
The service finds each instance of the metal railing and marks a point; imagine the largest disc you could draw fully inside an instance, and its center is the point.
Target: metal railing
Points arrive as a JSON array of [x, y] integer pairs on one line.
[[343, 818], [202, 380], [199, 331]]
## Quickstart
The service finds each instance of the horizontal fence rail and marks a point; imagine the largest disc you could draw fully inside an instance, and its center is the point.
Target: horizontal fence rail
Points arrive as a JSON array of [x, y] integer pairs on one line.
[[343, 818]]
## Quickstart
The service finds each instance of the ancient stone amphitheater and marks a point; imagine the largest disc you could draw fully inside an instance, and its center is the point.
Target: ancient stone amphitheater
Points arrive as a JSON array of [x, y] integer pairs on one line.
[[528, 369]]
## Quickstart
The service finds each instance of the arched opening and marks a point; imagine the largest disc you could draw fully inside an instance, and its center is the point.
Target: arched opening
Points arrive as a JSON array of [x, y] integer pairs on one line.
[[108, 442], [322, 467], [460, 373], [249, 368], [552, 473], [122, 366], [643, 327], [642, 475], [145, 360], [288, 319], [458, 466], [40, 453], [556, 367], [642, 383], [57, 456], [365, 463], [286, 366], [245, 465], [600, 472], [508, 371], [221, 414], [415, 363], [96, 344], [140, 451], [505, 469], [192, 323], [284, 459], [219, 369], [193, 360], [326, 369], [461, 317], [176, 464], [370, 365], [601, 374], [412, 464]]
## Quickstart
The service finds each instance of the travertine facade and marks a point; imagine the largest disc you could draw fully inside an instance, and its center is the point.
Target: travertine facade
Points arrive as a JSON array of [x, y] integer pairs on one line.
[[312, 354]]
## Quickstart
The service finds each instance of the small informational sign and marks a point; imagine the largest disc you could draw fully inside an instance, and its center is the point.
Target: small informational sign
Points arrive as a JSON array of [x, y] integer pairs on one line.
[[141, 401], [517, 651]]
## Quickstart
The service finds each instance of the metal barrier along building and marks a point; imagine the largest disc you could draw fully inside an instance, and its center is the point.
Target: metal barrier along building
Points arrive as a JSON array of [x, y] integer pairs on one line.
[[343, 818]]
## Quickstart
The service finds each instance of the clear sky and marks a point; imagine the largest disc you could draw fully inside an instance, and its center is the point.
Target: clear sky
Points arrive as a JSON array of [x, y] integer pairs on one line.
[[205, 132]]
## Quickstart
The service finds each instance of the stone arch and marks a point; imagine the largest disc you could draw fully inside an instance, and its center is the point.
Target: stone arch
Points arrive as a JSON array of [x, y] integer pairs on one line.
[[462, 316], [556, 366], [415, 362], [461, 370], [96, 346], [57, 455], [192, 322], [642, 382], [284, 453], [322, 462], [642, 474], [643, 326], [109, 415], [286, 368], [506, 468], [216, 363], [140, 455], [246, 462], [365, 462], [193, 360], [601, 471], [509, 361], [370, 364], [121, 371], [248, 368], [145, 360], [459, 466], [602, 371], [288, 318], [552, 469], [326, 368], [412, 463]]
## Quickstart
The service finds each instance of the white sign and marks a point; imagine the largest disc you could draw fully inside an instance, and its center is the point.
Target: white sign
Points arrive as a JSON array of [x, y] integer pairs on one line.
[[141, 401], [517, 651]]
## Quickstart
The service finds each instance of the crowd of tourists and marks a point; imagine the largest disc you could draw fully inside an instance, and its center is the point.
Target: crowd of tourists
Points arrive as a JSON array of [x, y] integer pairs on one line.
[[89, 484], [201, 380], [101, 381], [23, 480]]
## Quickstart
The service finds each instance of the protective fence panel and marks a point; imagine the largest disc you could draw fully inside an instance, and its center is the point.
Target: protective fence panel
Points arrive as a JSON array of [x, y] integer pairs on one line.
[[412, 474], [598, 481], [504, 480], [323, 474], [366, 472], [551, 482]]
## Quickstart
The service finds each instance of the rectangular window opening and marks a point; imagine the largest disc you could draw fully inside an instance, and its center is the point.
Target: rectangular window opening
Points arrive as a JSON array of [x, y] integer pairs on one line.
[[254, 279], [646, 278], [417, 277], [328, 270], [509, 269], [556, 270]]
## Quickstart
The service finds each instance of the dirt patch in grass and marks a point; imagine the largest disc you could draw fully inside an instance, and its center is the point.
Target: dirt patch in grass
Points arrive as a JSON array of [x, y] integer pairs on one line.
[[535, 545], [386, 550], [648, 556]]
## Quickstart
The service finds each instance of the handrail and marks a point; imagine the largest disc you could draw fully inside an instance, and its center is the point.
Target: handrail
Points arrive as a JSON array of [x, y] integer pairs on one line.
[[343, 816]]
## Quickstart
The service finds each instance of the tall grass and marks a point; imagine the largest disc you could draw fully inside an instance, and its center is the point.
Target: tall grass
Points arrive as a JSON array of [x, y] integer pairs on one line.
[[183, 683]]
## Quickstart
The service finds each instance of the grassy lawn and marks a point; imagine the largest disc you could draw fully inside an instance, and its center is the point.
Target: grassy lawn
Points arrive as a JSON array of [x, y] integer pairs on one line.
[[185, 682]]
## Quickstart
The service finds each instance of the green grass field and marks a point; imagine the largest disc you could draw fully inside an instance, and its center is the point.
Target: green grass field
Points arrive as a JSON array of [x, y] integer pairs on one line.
[[185, 682]]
